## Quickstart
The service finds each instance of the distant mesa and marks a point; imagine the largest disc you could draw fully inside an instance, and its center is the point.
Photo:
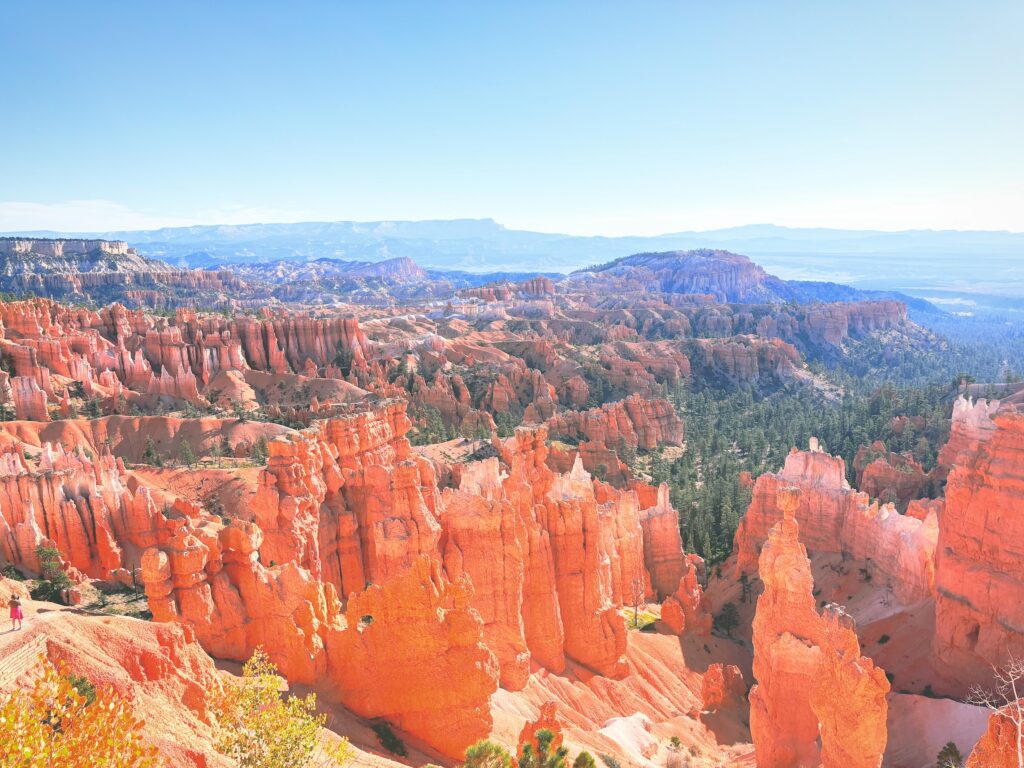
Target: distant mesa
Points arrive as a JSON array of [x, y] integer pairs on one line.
[[29, 255], [729, 277]]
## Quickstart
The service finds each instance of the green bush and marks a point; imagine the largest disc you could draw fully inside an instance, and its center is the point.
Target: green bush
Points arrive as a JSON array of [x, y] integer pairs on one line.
[[544, 757], [487, 754], [186, 454], [150, 455], [388, 739], [9, 571], [84, 687], [54, 580], [258, 452]]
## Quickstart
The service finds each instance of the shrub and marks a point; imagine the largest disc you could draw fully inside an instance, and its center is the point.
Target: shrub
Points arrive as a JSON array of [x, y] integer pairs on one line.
[[257, 728], [9, 571], [610, 761], [487, 754], [54, 580], [84, 687], [239, 412], [78, 729], [883, 639], [388, 738], [584, 760]]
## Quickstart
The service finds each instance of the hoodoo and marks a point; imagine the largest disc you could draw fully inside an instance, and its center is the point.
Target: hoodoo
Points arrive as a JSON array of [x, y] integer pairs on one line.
[[816, 699]]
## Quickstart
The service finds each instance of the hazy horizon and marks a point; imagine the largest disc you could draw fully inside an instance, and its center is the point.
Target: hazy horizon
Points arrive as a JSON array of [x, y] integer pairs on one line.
[[23, 232]]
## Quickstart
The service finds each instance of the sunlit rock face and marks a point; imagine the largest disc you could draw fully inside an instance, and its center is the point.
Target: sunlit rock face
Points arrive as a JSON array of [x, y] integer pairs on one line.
[[888, 476], [511, 564], [997, 748], [723, 688], [84, 505], [816, 699], [688, 610], [979, 605], [837, 519]]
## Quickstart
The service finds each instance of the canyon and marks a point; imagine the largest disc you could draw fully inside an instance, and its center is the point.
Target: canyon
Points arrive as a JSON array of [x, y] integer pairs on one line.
[[435, 505]]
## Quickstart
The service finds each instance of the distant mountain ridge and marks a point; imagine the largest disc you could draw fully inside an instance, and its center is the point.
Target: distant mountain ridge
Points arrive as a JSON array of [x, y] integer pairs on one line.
[[113, 270], [919, 262]]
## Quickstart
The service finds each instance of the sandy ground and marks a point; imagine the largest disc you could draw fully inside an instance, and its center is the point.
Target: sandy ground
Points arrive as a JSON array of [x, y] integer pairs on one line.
[[662, 690]]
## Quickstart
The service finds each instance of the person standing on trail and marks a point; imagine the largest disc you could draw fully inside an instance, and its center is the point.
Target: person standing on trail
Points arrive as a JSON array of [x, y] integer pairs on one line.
[[16, 613]]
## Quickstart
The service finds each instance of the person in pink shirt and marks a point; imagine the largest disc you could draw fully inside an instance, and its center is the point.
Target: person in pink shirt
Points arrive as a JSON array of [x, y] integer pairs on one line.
[[16, 613]]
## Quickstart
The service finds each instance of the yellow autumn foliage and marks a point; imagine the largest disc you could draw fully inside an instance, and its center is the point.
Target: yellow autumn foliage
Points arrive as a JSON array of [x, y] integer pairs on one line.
[[258, 728], [52, 725]]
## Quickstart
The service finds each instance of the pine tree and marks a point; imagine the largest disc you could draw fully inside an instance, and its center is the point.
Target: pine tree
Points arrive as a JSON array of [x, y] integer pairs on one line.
[[487, 754], [150, 455], [258, 452], [185, 454], [949, 757], [543, 757]]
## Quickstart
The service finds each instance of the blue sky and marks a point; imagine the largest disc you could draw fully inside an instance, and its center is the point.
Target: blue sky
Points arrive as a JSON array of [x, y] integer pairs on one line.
[[588, 118]]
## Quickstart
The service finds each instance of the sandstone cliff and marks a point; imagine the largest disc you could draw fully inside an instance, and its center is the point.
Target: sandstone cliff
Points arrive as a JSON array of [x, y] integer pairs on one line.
[[979, 605]]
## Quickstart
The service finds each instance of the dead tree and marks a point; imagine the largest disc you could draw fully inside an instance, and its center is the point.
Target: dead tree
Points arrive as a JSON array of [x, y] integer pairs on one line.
[[1004, 699]]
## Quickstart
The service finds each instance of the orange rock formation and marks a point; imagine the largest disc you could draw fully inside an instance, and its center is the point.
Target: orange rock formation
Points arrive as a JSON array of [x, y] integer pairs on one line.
[[688, 610], [1002, 744], [723, 687], [979, 605], [887, 476], [834, 518], [345, 504], [546, 720], [817, 700]]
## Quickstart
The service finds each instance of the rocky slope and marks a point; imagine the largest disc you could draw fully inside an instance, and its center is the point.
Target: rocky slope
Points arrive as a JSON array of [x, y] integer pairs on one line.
[[98, 271], [443, 489]]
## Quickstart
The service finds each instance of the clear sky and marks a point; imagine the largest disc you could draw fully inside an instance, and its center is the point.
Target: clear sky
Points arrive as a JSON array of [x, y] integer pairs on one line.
[[588, 118]]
